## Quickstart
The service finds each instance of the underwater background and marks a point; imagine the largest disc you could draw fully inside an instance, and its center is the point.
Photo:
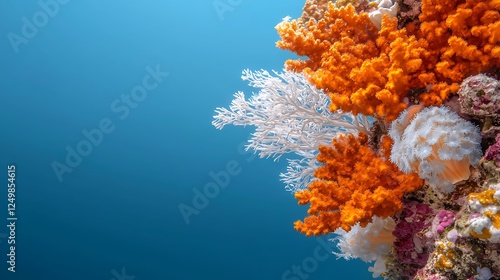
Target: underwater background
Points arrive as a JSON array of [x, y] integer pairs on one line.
[[102, 179]]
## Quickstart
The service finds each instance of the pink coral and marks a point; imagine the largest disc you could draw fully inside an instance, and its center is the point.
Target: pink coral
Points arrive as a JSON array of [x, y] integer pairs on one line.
[[411, 253], [493, 152], [479, 96], [442, 220]]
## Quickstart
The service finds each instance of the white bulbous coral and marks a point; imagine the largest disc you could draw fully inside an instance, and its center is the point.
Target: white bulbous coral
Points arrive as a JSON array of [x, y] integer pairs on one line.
[[371, 243], [384, 7], [290, 116], [436, 143]]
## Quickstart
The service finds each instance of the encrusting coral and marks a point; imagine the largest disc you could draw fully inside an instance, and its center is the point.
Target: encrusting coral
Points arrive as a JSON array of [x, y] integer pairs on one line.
[[479, 96], [314, 9], [410, 246], [487, 204], [354, 185]]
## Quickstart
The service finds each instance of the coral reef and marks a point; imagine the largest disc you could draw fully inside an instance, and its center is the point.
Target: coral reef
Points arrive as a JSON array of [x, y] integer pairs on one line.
[[393, 112], [364, 70]]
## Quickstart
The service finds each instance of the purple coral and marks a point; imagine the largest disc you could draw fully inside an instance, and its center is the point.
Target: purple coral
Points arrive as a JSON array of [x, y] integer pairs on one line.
[[479, 96], [410, 245], [493, 152], [442, 220], [409, 12]]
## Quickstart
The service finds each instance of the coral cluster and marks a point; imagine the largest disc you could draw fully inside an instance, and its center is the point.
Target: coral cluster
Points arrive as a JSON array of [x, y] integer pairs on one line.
[[354, 185], [363, 73], [411, 252], [393, 111], [290, 115], [486, 225]]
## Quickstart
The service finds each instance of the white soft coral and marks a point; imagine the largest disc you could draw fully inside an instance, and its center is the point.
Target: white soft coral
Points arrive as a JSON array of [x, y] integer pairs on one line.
[[436, 143], [290, 115], [371, 243]]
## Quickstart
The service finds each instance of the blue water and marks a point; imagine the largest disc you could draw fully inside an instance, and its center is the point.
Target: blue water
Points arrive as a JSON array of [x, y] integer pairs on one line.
[[112, 211]]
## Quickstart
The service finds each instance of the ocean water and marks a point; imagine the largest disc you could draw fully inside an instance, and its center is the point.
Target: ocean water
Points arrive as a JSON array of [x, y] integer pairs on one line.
[[105, 112]]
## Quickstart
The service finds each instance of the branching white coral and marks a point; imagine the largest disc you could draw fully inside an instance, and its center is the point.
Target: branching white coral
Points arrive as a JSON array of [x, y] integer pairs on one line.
[[290, 115], [300, 172]]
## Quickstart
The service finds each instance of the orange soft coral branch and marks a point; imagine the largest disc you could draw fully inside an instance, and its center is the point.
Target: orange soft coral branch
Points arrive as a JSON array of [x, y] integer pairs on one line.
[[464, 40], [362, 69], [313, 38], [354, 185]]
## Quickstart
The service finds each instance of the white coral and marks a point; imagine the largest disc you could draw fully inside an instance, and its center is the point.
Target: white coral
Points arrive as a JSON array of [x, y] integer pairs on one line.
[[384, 7], [438, 144], [367, 243], [300, 172], [290, 115], [371, 243]]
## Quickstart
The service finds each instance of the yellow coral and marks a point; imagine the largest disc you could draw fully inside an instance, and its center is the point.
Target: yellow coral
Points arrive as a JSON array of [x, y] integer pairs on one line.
[[487, 225], [445, 255]]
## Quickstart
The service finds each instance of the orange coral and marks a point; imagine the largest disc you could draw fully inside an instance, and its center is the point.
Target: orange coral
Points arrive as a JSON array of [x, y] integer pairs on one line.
[[464, 40], [354, 185], [371, 72], [361, 71]]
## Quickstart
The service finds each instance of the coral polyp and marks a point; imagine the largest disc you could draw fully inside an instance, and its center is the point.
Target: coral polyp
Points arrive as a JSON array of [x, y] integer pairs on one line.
[[437, 144]]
